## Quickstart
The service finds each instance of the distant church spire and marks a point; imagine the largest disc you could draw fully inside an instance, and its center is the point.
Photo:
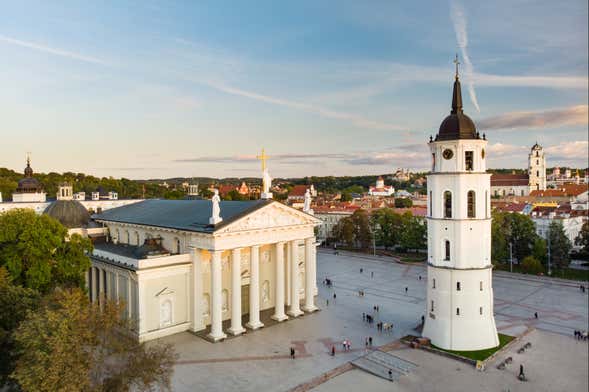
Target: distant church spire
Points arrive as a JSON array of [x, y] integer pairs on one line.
[[28, 169], [456, 94]]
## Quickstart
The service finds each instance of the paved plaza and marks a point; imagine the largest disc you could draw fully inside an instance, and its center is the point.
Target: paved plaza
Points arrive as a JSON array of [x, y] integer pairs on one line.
[[259, 361]]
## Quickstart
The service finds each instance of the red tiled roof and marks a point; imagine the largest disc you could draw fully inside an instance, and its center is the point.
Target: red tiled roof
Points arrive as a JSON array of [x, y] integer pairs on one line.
[[298, 191], [510, 180]]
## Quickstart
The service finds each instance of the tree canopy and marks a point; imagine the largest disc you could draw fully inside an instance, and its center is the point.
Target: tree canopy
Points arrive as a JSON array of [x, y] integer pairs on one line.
[[560, 246], [68, 344], [38, 253]]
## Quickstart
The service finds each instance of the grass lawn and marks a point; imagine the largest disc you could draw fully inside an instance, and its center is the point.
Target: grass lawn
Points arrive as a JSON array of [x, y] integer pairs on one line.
[[481, 355], [565, 273]]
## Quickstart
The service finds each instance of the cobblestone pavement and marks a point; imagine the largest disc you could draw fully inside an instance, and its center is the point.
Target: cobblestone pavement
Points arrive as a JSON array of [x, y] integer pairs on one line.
[[259, 361]]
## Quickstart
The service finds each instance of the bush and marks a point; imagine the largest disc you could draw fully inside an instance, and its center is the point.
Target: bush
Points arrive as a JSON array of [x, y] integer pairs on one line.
[[531, 265]]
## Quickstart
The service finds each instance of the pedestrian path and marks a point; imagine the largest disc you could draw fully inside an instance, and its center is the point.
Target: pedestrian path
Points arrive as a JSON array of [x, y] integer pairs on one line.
[[385, 365]]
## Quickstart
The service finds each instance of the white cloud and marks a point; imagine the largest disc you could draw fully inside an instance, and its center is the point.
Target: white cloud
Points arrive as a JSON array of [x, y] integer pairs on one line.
[[50, 50], [459, 21], [569, 151], [574, 115]]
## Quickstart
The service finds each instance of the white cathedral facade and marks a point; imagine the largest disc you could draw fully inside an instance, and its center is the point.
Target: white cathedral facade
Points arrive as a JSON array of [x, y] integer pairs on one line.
[[207, 266], [460, 290]]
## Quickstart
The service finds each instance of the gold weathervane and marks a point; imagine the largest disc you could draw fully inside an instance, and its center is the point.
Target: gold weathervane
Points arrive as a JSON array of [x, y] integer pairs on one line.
[[263, 158]]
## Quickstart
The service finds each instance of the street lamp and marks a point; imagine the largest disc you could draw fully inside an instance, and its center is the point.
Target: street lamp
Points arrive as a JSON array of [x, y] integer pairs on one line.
[[510, 257], [549, 266]]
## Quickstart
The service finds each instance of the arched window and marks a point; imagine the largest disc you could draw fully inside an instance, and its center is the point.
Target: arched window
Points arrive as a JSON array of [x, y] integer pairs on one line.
[[469, 160], [137, 238], [457, 286], [447, 250], [481, 285], [447, 204], [432, 307], [481, 310], [537, 173], [433, 283], [457, 311], [471, 204], [128, 235]]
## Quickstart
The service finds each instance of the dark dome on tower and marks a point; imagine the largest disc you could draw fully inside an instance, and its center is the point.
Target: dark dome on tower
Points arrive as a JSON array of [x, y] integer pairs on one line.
[[29, 184], [457, 125], [70, 213]]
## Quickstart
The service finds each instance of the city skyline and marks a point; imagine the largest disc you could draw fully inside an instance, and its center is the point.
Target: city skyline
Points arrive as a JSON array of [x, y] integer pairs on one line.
[[162, 90]]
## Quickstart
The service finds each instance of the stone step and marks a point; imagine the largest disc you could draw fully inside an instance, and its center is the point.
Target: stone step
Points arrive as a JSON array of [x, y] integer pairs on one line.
[[376, 369], [391, 361]]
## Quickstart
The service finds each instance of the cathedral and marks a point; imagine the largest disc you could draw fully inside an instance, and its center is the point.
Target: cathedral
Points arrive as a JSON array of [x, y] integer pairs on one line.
[[460, 290], [207, 266]]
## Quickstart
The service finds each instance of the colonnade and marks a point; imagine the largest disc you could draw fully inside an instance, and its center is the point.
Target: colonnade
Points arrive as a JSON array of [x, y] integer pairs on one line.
[[96, 282], [294, 310]]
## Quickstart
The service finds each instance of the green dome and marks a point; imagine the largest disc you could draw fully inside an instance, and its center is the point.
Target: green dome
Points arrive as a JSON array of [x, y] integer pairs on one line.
[[71, 213]]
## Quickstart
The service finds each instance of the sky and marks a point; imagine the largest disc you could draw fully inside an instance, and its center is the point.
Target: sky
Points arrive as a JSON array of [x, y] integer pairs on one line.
[[158, 89]]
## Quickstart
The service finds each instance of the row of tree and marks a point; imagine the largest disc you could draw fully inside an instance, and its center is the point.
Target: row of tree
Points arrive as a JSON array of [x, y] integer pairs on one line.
[[385, 227], [51, 337], [512, 236]]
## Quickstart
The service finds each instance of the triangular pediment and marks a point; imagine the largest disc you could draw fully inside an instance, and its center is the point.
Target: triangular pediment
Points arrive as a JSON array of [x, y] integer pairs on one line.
[[274, 215]]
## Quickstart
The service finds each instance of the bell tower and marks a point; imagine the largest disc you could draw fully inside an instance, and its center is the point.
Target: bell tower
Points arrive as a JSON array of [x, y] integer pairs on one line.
[[537, 168], [459, 314]]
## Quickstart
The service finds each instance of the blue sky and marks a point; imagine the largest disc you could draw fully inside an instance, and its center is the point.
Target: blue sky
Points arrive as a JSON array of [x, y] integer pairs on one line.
[[159, 89]]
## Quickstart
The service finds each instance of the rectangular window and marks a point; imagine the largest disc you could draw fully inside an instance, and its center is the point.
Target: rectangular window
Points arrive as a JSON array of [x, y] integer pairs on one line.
[[470, 204], [457, 311], [457, 286], [481, 310], [447, 251], [469, 160], [432, 306], [433, 283], [481, 285]]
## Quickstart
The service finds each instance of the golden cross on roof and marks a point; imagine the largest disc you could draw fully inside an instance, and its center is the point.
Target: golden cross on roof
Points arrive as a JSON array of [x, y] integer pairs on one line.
[[263, 158], [456, 62], [28, 157]]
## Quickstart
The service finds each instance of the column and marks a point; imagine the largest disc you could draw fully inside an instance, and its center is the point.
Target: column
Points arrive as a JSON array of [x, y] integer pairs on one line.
[[117, 294], [94, 276], [129, 299], [197, 323], [101, 292], [236, 328], [216, 298], [309, 275], [294, 309], [287, 269], [279, 284], [142, 307], [254, 322]]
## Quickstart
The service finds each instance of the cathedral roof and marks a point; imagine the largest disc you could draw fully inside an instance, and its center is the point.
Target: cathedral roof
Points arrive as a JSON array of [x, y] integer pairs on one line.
[[70, 213], [457, 125], [188, 215]]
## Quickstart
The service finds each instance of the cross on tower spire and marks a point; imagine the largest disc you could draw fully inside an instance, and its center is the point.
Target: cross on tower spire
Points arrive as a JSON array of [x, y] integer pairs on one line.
[[457, 63], [263, 158]]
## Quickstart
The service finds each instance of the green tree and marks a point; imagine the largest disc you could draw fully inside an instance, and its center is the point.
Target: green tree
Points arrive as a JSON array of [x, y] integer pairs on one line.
[[560, 246], [69, 344], [531, 265], [346, 196], [414, 233], [362, 229], [583, 237], [37, 252], [388, 227], [15, 302], [403, 202], [174, 194], [539, 250], [343, 231], [499, 238]]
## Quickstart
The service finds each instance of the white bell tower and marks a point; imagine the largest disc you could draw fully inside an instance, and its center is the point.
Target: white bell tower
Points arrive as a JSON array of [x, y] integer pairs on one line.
[[459, 314], [537, 168]]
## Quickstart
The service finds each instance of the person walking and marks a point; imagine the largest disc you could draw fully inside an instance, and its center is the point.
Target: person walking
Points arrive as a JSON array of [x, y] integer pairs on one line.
[[372, 274], [366, 342], [332, 351], [361, 270], [363, 316], [390, 374], [326, 302], [292, 353], [406, 288], [419, 277], [370, 341], [521, 375], [536, 315], [334, 297]]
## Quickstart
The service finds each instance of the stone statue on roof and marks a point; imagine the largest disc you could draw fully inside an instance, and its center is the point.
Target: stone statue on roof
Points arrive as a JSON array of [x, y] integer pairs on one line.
[[307, 205], [216, 210]]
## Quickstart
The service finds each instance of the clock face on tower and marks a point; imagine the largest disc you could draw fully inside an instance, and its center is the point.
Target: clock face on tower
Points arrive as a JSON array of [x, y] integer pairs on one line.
[[447, 154]]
